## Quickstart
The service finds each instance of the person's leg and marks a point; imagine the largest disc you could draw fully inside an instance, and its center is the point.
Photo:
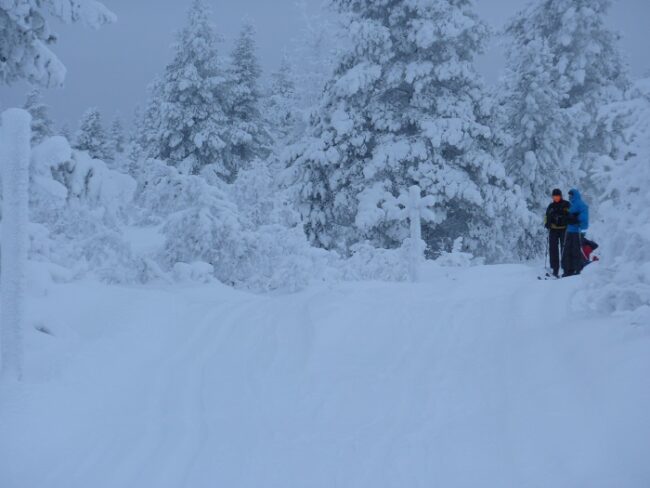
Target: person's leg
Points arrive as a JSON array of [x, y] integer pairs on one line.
[[581, 259], [562, 241], [571, 254], [554, 250], [566, 255]]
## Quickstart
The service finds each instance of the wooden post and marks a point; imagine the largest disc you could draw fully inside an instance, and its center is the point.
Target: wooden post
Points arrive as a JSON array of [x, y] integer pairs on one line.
[[415, 222], [15, 148]]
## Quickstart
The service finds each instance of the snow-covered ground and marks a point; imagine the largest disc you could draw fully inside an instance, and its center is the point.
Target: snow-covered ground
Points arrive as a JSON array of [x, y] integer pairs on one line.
[[476, 377]]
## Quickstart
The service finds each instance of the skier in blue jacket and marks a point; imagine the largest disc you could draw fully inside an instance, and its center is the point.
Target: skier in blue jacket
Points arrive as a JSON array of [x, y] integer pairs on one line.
[[573, 259]]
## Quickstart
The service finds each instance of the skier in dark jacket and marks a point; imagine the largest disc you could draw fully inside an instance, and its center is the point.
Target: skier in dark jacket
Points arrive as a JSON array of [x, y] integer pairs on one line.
[[573, 258], [556, 221]]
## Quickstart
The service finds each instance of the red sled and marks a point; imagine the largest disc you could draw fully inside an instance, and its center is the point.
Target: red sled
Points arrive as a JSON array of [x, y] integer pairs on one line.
[[588, 247]]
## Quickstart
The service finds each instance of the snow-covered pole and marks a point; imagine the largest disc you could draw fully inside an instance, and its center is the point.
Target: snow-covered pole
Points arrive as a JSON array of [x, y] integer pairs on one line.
[[15, 135], [415, 221]]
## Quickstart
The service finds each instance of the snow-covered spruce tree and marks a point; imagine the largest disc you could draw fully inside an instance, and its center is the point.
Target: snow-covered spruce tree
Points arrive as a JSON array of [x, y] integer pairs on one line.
[[542, 139], [145, 142], [406, 107], [281, 105], [313, 53], [586, 67], [42, 125], [91, 136], [117, 138], [25, 52], [185, 123], [66, 132], [249, 137]]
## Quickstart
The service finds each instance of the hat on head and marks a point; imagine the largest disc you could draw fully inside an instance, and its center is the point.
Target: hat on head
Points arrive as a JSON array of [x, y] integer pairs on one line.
[[557, 192]]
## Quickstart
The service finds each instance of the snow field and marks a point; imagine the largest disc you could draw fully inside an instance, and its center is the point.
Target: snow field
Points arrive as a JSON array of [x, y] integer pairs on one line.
[[474, 377]]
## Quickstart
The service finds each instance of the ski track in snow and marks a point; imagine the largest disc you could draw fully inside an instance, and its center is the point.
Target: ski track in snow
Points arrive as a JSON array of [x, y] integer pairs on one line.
[[475, 377]]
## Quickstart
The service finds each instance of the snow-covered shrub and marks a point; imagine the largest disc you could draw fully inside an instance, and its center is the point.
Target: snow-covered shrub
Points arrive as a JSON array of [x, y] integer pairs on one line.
[[255, 192], [77, 204], [98, 249], [280, 255], [262, 196], [621, 280], [160, 192], [91, 182], [47, 195], [209, 230], [62, 176], [281, 259], [194, 272], [456, 258], [246, 246], [368, 262]]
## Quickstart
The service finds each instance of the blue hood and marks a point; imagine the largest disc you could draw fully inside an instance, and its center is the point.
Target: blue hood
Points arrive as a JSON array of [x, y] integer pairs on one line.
[[579, 208], [574, 195]]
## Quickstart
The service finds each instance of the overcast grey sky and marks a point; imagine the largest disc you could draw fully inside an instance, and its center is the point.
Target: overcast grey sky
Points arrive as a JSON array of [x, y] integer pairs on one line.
[[111, 68]]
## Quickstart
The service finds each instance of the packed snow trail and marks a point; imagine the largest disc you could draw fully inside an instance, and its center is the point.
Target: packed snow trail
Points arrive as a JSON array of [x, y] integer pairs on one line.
[[475, 377]]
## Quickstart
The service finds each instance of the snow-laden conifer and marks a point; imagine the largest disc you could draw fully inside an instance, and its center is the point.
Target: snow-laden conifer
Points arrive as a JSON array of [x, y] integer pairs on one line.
[[42, 125], [249, 136], [117, 137], [186, 123], [405, 107], [91, 136], [27, 37], [281, 109], [584, 69], [541, 135]]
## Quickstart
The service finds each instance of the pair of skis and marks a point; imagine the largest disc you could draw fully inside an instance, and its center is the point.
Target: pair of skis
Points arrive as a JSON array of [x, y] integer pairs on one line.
[[548, 276]]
